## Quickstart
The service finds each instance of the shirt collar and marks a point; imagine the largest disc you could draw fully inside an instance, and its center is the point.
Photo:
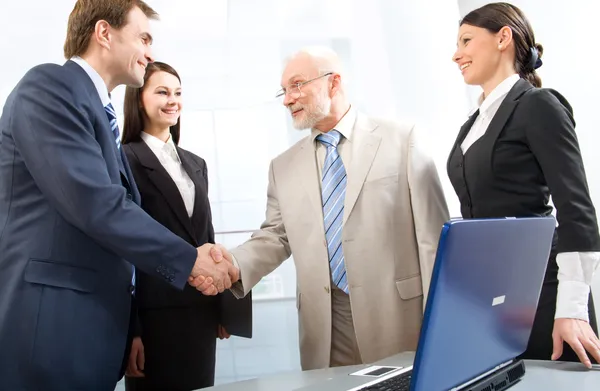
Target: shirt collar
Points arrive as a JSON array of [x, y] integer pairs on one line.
[[498, 93], [96, 79], [345, 126], [158, 146]]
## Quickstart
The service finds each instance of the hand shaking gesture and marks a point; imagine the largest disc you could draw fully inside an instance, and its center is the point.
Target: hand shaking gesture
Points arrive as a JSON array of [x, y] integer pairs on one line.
[[210, 275]]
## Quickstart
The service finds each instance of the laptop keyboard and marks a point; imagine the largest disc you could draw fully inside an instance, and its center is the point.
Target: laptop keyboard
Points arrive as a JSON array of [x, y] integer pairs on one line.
[[396, 383]]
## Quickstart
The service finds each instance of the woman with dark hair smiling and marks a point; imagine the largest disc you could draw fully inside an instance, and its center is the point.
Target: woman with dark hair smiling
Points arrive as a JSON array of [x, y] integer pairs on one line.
[[515, 152], [174, 348]]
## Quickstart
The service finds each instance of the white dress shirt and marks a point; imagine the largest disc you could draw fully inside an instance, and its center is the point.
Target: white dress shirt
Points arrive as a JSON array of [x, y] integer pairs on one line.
[[575, 269], [169, 158], [346, 145], [96, 79], [346, 148]]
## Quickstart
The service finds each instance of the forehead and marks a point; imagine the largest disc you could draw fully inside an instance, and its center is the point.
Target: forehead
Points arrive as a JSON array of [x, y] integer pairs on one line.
[[137, 21], [300, 67], [164, 79], [470, 30]]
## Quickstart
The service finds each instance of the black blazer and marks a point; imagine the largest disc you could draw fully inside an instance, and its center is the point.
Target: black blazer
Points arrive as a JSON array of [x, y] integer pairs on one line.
[[170, 319], [162, 200], [529, 152]]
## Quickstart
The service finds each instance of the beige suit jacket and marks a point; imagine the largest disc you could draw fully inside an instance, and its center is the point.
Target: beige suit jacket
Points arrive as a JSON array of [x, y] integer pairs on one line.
[[393, 214]]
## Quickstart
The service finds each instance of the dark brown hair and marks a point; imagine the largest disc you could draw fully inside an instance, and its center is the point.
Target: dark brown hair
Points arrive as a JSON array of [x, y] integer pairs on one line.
[[85, 15], [493, 17], [133, 124]]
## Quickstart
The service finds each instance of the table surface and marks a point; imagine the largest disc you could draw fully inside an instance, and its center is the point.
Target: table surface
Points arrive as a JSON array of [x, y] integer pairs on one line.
[[540, 375]]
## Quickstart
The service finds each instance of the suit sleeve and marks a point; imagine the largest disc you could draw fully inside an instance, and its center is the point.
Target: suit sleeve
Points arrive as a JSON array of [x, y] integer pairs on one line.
[[266, 249], [55, 138], [430, 211], [550, 131], [552, 139]]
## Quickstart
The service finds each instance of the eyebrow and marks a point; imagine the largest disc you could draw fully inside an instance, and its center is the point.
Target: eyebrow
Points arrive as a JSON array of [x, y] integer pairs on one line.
[[296, 76], [166, 88]]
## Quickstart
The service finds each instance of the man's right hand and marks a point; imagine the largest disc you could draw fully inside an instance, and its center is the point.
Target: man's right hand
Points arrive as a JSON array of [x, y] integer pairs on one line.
[[135, 367], [216, 275]]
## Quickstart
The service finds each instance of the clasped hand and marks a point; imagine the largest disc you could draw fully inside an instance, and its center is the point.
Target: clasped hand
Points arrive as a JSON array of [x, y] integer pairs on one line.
[[213, 271]]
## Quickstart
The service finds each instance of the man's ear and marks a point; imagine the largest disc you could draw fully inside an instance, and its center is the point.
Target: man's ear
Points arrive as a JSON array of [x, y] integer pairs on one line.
[[102, 34]]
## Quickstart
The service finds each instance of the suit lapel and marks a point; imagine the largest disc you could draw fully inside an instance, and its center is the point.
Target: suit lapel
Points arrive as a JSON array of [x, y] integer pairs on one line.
[[101, 113], [195, 174], [305, 164], [464, 130], [128, 176], [163, 182], [506, 109], [461, 136], [361, 162]]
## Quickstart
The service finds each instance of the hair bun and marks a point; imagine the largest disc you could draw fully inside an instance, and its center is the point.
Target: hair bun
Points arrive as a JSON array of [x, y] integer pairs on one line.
[[540, 49]]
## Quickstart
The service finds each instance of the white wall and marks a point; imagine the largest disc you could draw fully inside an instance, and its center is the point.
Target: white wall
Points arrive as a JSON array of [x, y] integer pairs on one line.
[[568, 32]]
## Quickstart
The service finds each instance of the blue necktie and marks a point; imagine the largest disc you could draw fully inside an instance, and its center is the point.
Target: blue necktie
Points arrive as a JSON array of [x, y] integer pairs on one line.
[[114, 126], [333, 192]]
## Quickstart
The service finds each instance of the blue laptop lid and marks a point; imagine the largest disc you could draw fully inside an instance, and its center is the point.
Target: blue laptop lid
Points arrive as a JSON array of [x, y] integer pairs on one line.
[[482, 299]]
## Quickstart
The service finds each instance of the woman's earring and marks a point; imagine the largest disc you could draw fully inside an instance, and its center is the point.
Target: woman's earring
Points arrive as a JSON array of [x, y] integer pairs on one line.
[[499, 47]]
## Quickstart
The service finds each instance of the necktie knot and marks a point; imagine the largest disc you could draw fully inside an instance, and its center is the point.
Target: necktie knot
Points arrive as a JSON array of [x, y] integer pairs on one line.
[[330, 139]]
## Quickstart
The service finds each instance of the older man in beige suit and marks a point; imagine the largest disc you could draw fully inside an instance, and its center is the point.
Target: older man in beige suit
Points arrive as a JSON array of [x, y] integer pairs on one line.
[[360, 207]]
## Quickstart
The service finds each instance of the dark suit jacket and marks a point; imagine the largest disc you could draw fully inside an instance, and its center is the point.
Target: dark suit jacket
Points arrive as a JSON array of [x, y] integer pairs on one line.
[[164, 310], [529, 152], [70, 224]]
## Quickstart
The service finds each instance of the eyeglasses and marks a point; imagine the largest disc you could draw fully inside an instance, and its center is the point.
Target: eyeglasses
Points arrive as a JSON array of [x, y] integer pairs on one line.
[[294, 90]]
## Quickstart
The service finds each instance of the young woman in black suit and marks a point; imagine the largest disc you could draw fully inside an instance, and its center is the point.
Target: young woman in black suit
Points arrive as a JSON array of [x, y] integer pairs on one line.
[[518, 149], [176, 339]]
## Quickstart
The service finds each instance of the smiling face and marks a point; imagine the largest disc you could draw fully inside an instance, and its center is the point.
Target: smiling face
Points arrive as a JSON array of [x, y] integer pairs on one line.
[[477, 54], [161, 100], [130, 49]]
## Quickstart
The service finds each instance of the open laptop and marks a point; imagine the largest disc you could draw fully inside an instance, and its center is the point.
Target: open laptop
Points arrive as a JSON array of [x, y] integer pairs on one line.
[[482, 300]]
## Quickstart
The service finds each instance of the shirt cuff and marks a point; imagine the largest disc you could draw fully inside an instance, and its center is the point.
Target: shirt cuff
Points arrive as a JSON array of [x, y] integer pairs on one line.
[[575, 273], [572, 300]]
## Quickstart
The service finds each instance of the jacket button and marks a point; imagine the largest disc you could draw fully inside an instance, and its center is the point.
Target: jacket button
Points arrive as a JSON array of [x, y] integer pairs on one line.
[[129, 196], [131, 288]]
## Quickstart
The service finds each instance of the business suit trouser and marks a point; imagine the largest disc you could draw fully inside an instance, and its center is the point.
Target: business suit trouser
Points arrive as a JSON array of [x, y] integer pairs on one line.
[[344, 348]]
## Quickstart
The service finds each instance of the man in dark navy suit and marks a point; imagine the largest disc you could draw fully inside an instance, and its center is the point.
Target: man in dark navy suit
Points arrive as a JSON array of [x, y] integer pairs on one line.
[[70, 223]]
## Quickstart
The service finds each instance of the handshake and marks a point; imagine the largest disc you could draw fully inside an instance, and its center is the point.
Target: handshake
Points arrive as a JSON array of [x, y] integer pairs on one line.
[[213, 271]]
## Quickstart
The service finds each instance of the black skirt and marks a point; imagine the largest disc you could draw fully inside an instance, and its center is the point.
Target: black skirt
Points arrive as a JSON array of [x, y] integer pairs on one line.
[[179, 348]]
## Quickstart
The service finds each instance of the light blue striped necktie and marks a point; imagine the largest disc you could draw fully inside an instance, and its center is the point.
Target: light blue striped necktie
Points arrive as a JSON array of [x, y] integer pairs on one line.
[[114, 126], [333, 193]]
